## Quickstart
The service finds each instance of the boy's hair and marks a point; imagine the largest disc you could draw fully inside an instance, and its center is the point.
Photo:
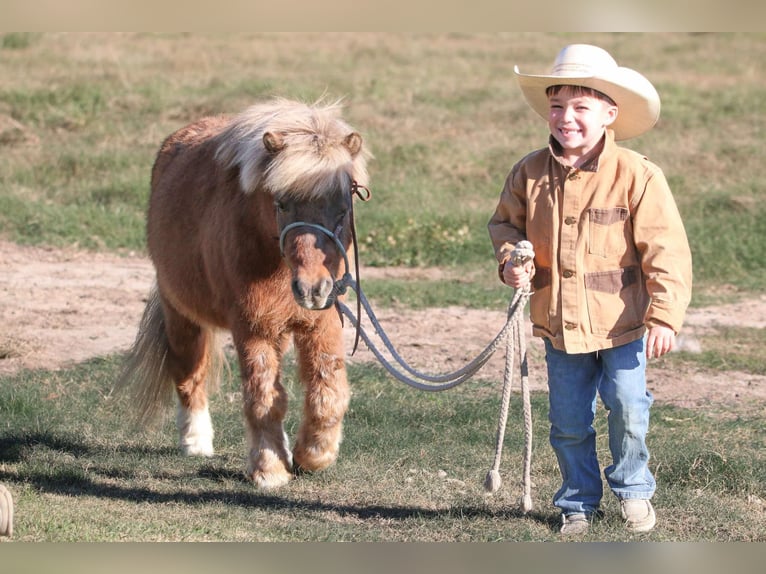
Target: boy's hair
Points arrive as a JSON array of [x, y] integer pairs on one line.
[[577, 91]]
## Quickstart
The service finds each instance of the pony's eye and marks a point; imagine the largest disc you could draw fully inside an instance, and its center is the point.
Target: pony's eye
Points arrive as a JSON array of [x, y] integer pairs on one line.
[[281, 207]]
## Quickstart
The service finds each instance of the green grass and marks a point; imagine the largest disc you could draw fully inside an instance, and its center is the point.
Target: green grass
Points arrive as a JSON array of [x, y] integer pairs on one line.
[[411, 468], [441, 113]]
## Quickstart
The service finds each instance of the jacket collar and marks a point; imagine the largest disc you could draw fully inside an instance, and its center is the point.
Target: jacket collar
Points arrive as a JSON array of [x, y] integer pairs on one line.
[[608, 149]]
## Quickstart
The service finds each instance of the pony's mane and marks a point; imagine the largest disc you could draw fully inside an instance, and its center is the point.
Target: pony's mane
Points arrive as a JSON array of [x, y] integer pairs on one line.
[[313, 158]]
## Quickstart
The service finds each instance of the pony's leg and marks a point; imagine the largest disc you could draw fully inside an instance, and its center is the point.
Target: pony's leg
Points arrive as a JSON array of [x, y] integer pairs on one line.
[[265, 405], [326, 393], [188, 362]]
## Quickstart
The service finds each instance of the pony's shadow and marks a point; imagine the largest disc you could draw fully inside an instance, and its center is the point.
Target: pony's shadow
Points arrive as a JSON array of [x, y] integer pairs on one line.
[[17, 448]]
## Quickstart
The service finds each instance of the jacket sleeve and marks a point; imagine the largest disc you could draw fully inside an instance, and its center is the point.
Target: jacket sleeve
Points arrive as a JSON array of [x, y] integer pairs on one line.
[[666, 260], [507, 226]]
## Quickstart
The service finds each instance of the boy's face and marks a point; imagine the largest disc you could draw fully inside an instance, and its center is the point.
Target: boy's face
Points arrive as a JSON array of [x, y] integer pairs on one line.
[[578, 122]]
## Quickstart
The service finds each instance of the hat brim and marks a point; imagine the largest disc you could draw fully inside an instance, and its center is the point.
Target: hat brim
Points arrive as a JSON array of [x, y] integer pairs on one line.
[[637, 100]]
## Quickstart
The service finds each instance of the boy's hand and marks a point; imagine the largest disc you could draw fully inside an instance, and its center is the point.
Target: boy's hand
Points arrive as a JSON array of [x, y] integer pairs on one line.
[[518, 276], [659, 341]]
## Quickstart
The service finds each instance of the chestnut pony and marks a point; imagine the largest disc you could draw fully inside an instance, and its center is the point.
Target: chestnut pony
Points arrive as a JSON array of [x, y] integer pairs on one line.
[[245, 223]]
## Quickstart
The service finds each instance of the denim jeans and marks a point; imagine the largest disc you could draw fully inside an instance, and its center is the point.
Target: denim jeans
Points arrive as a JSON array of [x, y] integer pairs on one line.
[[617, 375]]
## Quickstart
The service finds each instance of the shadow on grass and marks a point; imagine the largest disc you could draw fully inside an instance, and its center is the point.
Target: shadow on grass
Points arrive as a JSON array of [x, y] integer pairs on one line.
[[77, 482]]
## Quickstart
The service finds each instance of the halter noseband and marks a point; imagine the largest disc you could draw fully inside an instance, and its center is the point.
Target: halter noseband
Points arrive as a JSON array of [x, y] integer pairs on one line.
[[339, 285]]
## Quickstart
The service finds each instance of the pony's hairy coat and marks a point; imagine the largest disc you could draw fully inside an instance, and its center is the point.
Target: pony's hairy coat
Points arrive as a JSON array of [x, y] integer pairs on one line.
[[223, 189]]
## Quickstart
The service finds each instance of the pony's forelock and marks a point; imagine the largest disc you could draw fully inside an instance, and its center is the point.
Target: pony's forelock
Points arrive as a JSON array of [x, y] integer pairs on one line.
[[313, 160]]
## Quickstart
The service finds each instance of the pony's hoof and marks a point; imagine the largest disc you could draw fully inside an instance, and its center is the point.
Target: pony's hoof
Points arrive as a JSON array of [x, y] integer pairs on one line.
[[6, 512], [268, 471], [270, 480], [205, 450], [313, 460], [299, 471]]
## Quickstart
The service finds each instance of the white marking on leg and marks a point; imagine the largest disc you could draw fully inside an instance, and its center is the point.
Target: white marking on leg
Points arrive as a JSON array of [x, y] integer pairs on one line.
[[195, 431]]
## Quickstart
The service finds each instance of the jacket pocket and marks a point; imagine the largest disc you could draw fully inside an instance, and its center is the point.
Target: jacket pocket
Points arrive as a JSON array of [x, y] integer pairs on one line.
[[616, 301], [606, 231]]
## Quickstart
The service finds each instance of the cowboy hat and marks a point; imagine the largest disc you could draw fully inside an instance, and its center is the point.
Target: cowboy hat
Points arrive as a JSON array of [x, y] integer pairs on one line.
[[592, 67]]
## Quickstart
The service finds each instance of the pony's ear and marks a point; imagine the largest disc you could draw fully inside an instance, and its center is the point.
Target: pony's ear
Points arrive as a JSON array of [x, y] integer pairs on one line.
[[273, 142], [353, 143]]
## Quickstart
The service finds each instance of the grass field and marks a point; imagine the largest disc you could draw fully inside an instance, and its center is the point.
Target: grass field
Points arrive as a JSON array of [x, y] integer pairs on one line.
[[412, 468], [81, 117], [84, 115]]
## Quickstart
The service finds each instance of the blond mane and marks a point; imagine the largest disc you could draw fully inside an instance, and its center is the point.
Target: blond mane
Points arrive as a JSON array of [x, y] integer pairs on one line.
[[313, 156]]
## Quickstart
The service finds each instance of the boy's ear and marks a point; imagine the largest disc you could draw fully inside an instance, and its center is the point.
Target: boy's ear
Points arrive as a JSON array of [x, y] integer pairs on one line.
[[611, 115]]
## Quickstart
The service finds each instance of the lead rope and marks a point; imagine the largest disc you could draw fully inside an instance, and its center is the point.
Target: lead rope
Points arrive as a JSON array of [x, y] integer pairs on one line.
[[522, 254], [513, 335]]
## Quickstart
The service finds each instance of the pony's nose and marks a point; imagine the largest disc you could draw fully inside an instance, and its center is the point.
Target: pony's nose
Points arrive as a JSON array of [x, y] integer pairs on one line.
[[313, 295]]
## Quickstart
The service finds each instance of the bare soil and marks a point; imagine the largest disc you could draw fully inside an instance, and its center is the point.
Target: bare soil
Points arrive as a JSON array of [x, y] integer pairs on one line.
[[60, 307]]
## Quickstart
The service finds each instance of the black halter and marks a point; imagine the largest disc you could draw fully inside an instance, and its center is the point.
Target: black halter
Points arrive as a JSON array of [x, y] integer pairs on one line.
[[340, 286]]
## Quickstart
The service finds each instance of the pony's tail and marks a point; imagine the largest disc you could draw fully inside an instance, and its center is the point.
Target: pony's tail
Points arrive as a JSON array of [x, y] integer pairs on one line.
[[145, 374]]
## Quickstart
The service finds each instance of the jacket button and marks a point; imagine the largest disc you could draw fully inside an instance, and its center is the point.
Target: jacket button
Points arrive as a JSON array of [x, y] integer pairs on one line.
[[568, 273], [570, 220], [570, 326]]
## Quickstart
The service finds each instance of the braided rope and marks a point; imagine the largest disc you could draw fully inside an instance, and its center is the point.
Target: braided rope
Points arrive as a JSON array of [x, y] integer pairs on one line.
[[493, 482], [512, 334]]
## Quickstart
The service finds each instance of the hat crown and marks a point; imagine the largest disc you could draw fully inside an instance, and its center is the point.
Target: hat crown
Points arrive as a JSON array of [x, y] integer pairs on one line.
[[583, 60]]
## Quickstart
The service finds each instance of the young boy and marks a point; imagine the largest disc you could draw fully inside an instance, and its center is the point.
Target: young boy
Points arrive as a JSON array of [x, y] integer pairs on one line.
[[611, 277]]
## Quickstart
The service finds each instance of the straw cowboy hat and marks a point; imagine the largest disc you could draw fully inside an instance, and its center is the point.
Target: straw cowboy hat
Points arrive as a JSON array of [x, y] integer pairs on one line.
[[592, 67]]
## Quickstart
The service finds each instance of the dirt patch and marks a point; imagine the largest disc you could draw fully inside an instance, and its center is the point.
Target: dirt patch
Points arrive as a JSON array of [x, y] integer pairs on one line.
[[60, 307]]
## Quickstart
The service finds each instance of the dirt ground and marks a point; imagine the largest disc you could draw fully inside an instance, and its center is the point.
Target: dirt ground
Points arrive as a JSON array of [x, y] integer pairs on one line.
[[59, 307]]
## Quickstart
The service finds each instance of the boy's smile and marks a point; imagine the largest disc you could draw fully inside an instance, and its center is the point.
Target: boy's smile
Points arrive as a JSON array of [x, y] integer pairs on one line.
[[578, 123]]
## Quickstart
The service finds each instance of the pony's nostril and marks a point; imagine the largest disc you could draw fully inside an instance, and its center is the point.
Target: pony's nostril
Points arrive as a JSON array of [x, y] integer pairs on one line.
[[323, 289], [301, 291]]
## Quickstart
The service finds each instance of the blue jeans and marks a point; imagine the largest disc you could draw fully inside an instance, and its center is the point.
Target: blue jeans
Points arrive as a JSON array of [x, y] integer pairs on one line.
[[618, 376]]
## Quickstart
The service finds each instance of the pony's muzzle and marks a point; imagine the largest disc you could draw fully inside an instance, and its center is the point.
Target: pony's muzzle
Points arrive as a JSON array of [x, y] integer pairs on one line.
[[316, 295]]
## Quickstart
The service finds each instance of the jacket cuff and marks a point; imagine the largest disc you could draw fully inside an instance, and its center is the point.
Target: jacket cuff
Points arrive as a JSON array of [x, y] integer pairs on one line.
[[663, 318]]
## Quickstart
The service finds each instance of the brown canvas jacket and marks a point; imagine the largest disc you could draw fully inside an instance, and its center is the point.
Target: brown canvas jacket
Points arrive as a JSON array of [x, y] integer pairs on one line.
[[611, 253]]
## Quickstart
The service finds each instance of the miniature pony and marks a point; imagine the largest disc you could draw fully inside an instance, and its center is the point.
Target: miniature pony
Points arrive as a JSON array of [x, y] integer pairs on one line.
[[245, 223]]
